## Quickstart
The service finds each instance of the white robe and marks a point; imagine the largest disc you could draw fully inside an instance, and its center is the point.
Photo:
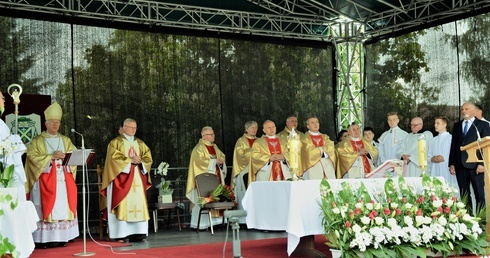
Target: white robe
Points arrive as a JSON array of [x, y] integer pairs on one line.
[[15, 159], [264, 174], [410, 147], [389, 143], [240, 191], [441, 145]]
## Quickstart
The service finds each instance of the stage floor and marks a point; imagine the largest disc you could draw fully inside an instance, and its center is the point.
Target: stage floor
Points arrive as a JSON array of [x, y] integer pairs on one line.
[[173, 237]]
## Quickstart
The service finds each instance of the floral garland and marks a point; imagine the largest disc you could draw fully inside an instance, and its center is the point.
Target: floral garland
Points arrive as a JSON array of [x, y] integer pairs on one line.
[[399, 222], [222, 193]]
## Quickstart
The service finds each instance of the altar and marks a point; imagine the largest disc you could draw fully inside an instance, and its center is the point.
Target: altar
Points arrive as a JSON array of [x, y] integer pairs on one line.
[[17, 225], [294, 206]]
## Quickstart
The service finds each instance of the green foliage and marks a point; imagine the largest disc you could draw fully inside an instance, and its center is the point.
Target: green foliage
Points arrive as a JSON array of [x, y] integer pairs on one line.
[[399, 221], [394, 68], [6, 175]]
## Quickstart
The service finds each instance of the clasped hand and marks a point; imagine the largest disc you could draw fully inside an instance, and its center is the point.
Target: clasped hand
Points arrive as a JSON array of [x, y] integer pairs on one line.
[[136, 160], [276, 157], [58, 155]]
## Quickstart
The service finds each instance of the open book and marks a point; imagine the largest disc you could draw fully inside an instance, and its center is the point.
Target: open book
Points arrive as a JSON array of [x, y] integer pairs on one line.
[[389, 168], [75, 158]]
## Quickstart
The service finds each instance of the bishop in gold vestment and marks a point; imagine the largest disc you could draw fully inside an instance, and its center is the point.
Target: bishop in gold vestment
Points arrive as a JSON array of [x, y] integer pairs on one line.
[[124, 182], [50, 185]]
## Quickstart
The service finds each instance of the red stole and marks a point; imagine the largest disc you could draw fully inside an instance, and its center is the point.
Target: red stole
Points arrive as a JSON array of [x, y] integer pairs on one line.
[[357, 146], [122, 183], [250, 142], [317, 140], [47, 184], [212, 151], [275, 148]]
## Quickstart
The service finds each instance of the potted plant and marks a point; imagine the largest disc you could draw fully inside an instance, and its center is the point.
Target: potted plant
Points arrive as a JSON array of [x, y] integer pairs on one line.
[[164, 190], [399, 221]]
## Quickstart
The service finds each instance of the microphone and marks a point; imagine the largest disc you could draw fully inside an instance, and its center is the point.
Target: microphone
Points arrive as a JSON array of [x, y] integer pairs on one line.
[[477, 132], [74, 131]]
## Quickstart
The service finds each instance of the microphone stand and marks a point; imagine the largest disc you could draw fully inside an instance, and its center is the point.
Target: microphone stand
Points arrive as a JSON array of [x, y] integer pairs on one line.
[[84, 253]]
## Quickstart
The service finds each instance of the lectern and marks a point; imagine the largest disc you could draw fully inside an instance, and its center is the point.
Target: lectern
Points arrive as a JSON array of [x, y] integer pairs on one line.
[[473, 149]]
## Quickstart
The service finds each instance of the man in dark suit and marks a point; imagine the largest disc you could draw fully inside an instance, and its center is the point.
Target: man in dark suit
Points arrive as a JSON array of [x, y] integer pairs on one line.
[[465, 132]]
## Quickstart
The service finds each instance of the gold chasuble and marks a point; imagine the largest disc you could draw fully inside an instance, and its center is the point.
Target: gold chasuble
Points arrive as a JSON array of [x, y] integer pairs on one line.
[[262, 149], [129, 201], [348, 153], [199, 163], [241, 156], [311, 152]]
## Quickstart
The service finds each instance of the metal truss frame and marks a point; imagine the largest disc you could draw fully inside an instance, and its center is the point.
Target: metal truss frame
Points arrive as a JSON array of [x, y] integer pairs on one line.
[[350, 74], [298, 19]]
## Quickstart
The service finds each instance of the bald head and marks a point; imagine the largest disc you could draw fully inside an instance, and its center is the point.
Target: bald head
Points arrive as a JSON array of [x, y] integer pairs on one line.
[[416, 124]]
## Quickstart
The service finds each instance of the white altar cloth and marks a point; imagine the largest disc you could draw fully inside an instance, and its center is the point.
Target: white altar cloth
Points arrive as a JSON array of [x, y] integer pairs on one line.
[[295, 206], [17, 225]]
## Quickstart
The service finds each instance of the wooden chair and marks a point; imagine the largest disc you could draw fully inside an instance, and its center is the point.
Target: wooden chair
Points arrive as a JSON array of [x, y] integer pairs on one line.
[[205, 184], [103, 224]]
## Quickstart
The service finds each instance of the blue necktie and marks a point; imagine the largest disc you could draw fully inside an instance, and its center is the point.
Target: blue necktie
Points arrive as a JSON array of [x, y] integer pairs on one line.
[[465, 129]]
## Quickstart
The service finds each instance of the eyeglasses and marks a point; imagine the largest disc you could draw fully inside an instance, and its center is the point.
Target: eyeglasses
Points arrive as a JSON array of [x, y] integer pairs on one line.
[[209, 134], [414, 125]]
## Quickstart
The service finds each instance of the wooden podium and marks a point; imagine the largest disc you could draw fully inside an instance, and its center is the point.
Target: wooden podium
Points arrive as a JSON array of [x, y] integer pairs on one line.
[[473, 149]]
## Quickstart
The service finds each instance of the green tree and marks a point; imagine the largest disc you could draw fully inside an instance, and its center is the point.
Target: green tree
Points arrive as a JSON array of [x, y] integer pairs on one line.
[[394, 69]]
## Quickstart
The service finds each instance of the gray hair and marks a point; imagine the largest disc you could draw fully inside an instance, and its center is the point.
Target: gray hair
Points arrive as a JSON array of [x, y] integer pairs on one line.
[[250, 123], [207, 127]]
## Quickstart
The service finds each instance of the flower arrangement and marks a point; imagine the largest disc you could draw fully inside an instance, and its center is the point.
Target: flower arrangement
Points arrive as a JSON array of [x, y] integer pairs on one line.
[[164, 186], [399, 221], [7, 148], [222, 193]]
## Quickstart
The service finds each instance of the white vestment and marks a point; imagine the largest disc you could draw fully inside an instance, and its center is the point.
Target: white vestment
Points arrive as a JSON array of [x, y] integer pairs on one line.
[[15, 159], [441, 145], [389, 143], [240, 190], [324, 165], [410, 147]]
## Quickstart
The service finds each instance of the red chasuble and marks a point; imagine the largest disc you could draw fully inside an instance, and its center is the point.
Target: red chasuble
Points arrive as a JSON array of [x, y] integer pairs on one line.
[[358, 145], [317, 140], [275, 148], [212, 151]]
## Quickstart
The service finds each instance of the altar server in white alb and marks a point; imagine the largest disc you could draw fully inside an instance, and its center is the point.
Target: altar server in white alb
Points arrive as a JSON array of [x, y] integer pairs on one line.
[[390, 141], [317, 153], [409, 150], [438, 152], [51, 185]]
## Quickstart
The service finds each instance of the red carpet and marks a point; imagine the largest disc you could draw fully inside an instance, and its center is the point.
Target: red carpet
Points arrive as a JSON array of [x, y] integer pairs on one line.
[[275, 247], [263, 248]]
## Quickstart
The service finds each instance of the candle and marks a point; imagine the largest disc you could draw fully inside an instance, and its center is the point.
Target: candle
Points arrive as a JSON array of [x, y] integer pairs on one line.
[[294, 146], [422, 151]]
